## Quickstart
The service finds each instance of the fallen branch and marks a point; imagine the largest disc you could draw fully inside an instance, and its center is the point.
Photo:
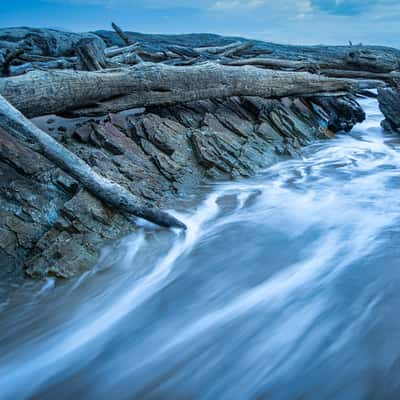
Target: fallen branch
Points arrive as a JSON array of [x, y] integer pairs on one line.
[[111, 193]]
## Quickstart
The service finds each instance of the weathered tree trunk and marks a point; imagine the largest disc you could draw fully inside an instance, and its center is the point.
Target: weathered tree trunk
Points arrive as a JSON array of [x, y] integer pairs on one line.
[[111, 193], [40, 92], [176, 97]]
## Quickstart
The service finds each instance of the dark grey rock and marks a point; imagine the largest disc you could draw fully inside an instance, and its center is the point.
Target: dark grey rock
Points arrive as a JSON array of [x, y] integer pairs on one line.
[[389, 102], [344, 112]]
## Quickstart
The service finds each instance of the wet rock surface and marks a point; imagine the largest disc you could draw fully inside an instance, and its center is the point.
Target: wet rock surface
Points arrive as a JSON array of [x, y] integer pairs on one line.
[[389, 103], [50, 226]]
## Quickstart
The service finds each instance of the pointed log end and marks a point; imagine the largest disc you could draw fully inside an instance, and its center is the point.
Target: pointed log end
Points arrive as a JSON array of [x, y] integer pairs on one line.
[[175, 223], [162, 218]]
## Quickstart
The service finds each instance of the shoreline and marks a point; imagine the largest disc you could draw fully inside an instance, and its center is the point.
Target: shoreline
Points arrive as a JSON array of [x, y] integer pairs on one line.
[[51, 226]]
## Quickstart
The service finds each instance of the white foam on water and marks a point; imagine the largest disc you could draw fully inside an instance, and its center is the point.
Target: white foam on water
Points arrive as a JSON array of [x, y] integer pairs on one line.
[[338, 188], [54, 354]]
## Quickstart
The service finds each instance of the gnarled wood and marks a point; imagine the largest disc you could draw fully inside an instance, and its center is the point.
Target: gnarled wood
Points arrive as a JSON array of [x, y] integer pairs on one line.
[[111, 193]]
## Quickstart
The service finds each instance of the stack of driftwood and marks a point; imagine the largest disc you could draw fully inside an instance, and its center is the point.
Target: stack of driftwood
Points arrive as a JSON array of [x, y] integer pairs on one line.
[[91, 78]]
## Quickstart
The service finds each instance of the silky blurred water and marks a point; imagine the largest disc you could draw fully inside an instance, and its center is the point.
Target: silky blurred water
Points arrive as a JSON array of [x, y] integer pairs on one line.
[[285, 286]]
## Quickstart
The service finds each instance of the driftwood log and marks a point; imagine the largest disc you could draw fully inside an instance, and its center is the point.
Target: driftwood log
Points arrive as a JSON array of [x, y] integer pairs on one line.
[[326, 69], [111, 193], [41, 92]]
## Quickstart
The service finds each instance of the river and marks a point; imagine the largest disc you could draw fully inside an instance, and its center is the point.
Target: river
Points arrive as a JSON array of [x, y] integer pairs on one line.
[[285, 286]]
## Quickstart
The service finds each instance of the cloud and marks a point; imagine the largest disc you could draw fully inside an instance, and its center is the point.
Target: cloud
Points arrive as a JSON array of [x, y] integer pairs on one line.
[[303, 9], [351, 7]]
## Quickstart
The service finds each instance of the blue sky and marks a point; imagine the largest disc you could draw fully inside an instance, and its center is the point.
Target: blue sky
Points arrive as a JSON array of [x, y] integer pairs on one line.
[[284, 21]]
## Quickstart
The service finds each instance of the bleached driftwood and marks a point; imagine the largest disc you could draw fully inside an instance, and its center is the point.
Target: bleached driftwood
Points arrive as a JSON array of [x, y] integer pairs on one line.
[[155, 84]]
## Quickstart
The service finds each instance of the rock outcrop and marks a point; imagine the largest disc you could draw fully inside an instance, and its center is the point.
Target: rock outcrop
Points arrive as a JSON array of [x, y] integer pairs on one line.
[[50, 226], [389, 103]]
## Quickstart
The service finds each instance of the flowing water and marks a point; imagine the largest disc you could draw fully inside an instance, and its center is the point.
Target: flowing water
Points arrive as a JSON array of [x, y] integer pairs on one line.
[[285, 286]]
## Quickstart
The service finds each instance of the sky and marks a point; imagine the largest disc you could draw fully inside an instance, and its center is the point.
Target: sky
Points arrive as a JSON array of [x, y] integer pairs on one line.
[[282, 21]]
